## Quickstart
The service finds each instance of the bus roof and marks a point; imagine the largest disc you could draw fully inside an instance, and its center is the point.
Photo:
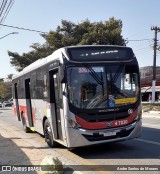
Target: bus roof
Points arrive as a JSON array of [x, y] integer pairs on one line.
[[57, 55], [41, 62]]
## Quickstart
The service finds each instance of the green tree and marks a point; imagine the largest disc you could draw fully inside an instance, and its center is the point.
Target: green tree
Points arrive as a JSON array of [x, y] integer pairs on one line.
[[9, 77], [21, 61], [5, 90], [68, 34]]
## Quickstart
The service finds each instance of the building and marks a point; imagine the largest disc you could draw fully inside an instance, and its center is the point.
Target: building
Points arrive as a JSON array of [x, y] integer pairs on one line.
[[146, 82]]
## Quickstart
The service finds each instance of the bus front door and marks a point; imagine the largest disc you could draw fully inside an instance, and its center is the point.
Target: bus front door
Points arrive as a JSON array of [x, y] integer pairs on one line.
[[28, 102], [55, 104], [16, 101]]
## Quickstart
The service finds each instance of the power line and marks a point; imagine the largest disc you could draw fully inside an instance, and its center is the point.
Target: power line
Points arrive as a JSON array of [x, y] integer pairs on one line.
[[150, 46], [143, 49], [2, 7], [7, 11], [5, 5], [138, 40], [21, 28], [139, 34], [4, 12]]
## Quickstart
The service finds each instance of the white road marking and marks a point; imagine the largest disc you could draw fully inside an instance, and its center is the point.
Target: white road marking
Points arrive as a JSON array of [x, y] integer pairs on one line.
[[150, 125], [148, 141]]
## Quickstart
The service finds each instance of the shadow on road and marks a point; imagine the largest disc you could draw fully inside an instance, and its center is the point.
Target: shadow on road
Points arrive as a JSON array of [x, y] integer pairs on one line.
[[11, 154]]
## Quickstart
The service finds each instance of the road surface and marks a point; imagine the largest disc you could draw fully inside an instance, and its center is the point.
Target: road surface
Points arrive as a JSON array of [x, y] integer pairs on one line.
[[144, 151]]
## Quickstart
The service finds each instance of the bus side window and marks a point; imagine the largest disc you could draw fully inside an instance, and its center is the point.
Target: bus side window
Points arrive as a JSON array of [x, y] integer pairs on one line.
[[45, 90], [33, 85], [41, 84]]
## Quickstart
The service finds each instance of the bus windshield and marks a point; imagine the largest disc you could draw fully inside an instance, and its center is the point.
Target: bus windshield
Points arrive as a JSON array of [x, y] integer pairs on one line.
[[92, 87]]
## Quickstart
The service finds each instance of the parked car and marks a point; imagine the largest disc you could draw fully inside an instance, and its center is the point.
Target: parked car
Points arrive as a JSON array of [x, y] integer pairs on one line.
[[0, 104], [11, 100], [6, 103]]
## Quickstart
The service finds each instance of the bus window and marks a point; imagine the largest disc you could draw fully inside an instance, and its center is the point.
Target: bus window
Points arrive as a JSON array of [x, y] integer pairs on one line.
[[92, 87]]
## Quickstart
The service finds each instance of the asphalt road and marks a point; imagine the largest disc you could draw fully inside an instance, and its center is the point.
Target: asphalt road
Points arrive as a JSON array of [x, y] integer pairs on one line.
[[6, 114], [141, 151]]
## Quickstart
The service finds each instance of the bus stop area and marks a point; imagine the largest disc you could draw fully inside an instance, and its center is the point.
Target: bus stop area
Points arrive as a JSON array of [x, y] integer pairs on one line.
[[18, 150]]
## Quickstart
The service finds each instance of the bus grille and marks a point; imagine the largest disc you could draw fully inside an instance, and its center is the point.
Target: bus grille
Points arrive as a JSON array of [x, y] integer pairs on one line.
[[101, 137]]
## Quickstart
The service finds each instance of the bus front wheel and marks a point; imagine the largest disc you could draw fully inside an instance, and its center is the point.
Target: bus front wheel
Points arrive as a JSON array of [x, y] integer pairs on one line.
[[48, 134]]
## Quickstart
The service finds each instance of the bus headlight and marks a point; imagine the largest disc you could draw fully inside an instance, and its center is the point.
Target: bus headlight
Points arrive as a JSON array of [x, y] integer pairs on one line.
[[139, 114], [138, 118]]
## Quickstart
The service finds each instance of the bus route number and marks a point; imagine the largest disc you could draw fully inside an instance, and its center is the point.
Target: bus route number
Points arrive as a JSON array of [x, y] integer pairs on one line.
[[121, 122]]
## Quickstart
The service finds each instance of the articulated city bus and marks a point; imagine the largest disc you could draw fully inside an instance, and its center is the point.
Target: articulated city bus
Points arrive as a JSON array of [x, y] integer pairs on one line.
[[81, 95]]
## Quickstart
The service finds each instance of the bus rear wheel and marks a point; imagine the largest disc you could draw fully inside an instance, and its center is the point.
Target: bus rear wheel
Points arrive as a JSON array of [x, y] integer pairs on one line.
[[48, 134], [25, 128]]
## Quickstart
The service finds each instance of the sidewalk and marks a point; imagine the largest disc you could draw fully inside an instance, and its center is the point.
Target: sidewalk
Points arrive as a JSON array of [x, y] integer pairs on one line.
[[19, 148]]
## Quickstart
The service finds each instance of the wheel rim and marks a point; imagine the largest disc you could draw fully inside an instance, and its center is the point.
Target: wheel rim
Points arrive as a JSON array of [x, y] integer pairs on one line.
[[48, 133]]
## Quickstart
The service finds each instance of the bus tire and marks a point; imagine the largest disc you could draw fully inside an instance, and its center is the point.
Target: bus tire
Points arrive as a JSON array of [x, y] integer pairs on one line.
[[25, 128], [48, 134]]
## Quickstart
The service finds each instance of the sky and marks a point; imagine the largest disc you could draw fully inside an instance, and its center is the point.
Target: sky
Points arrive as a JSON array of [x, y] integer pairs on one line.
[[138, 16]]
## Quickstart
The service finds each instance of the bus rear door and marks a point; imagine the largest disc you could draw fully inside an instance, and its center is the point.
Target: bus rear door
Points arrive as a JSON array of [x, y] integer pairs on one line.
[[28, 102]]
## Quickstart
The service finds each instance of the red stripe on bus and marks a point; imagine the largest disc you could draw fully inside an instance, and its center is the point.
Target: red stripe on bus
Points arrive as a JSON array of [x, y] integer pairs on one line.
[[103, 125], [24, 110]]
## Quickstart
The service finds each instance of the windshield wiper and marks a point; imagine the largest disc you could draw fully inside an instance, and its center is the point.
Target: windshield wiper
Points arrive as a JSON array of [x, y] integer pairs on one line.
[[114, 87], [96, 77], [118, 72]]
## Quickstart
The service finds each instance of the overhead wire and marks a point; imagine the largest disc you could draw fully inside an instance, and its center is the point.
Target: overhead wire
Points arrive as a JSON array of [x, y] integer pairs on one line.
[[142, 34], [138, 40], [21, 28], [146, 47], [2, 7], [138, 44], [142, 47], [7, 5], [141, 44], [7, 11]]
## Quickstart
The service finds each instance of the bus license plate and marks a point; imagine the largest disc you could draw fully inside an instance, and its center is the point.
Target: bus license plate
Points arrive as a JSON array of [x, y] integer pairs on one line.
[[109, 134]]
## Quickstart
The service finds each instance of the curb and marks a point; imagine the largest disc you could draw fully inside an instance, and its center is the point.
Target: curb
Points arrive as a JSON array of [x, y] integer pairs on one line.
[[154, 112], [149, 111], [151, 114]]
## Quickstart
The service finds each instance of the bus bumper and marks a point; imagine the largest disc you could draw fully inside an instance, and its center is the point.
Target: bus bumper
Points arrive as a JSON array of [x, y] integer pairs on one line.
[[82, 137]]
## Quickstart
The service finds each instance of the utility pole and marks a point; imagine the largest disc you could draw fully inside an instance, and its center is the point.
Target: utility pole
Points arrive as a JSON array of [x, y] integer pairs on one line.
[[156, 29]]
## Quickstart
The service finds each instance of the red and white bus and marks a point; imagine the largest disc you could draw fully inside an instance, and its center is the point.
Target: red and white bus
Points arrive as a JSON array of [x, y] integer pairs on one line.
[[81, 95]]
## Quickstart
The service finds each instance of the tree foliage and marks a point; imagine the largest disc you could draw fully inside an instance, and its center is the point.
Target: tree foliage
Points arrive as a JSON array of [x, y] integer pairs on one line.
[[5, 90], [21, 61], [68, 34]]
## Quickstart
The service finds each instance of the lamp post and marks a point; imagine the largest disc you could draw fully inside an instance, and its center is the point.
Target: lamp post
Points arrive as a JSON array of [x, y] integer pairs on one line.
[[8, 34]]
